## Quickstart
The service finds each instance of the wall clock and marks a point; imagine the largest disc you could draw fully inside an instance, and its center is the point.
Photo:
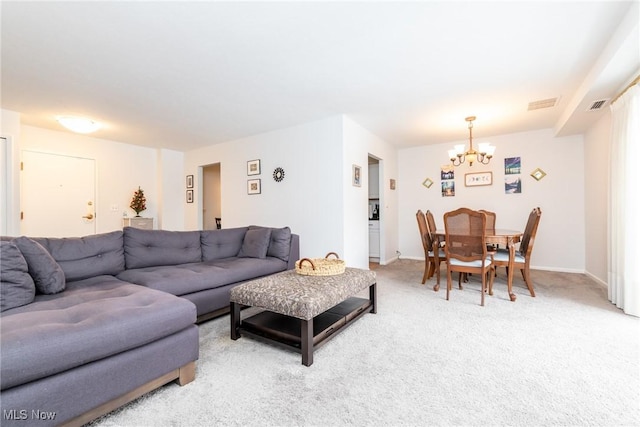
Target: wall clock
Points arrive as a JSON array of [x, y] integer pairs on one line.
[[278, 174]]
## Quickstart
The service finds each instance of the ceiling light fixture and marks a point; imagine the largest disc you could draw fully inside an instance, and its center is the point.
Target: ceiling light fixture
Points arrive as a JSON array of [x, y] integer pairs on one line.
[[78, 124], [458, 155]]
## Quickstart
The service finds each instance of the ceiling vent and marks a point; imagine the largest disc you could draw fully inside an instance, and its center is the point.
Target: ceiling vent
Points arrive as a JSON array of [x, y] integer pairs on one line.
[[544, 103], [597, 105]]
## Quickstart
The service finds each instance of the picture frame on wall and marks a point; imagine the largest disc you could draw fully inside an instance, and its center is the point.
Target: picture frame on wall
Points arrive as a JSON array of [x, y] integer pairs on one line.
[[478, 179], [253, 167], [356, 176], [189, 196], [189, 181], [254, 186]]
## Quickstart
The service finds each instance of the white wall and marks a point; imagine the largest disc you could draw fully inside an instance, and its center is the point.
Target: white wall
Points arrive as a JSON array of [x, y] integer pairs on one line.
[[309, 199], [560, 242], [121, 168], [597, 142], [358, 144], [171, 187]]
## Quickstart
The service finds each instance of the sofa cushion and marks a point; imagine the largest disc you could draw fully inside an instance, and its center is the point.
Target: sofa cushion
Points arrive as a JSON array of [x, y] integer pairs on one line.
[[188, 278], [45, 271], [82, 257], [255, 243], [218, 244], [280, 244], [91, 320], [148, 248], [16, 285]]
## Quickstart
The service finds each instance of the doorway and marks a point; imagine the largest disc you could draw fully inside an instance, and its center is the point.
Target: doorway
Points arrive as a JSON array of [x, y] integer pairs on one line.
[[57, 195], [211, 197], [375, 211]]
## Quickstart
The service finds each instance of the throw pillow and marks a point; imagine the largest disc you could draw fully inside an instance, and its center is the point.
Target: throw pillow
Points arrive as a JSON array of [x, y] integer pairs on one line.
[[47, 274], [16, 287], [280, 244], [255, 243]]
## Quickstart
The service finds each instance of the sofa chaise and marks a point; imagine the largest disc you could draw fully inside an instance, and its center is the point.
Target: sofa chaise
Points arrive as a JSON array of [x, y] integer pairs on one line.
[[91, 323]]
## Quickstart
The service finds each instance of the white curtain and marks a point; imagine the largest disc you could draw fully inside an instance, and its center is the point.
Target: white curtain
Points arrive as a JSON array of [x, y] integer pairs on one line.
[[624, 203]]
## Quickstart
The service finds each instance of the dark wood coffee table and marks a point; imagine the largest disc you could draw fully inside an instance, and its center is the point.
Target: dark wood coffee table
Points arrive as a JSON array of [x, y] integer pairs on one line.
[[302, 313]]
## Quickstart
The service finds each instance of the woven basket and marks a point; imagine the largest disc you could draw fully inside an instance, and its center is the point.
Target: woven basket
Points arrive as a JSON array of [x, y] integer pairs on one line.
[[320, 266]]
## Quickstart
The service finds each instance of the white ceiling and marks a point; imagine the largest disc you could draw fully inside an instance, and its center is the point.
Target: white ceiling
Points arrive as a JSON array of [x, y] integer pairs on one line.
[[181, 75]]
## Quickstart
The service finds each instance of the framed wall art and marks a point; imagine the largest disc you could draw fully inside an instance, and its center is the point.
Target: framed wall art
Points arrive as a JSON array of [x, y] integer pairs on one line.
[[189, 196], [253, 186], [253, 167], [356, 176], [477, 179], [538, 174], [427, 182], [189, 181]]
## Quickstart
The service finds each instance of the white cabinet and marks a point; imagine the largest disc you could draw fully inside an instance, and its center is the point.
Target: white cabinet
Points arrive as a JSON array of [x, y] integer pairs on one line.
[[144, 223], [374, 239]]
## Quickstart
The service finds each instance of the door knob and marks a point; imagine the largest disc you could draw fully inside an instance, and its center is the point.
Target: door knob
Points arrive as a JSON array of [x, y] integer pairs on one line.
[[89, 216]]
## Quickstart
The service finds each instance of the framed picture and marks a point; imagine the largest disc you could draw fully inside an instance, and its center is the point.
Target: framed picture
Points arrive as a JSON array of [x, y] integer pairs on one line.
[[189, 196], [512, 185], [512, 166], [538, 174], [448, 188], [446, 172], [189, 181], [253, 186], [427, 182], [477, 179], [392, 184], [357, 176], [253, 167]]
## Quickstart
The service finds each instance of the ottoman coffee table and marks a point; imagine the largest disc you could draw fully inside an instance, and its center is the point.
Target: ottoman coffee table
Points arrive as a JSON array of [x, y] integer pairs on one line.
[[300, 312]]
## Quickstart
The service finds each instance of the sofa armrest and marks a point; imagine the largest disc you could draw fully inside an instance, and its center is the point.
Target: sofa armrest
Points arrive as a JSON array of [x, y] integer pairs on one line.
[[294, 251]]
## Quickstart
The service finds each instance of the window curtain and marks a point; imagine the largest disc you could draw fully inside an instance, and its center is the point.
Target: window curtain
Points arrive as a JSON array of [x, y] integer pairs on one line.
[[624, 212]]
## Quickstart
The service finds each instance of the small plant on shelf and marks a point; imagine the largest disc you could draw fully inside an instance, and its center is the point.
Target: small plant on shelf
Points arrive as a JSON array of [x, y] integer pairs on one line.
[[139, 202]]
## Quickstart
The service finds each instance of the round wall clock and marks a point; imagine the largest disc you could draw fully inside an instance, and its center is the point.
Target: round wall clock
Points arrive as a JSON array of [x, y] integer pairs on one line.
[[278, 174]]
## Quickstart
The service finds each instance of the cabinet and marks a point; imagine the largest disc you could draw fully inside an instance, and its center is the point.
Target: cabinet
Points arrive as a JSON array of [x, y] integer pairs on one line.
[[374, 239], [144, 223]]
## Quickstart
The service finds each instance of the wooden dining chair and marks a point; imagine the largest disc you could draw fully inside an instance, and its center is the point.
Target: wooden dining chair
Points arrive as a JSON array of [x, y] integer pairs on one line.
[[523, 254], [431, 260], [465, 249], [491, 225]]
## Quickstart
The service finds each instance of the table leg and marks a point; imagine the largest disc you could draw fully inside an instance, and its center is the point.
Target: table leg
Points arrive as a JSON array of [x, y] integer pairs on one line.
[[373, 298], [306, 336], [235, 320], [510, 268]]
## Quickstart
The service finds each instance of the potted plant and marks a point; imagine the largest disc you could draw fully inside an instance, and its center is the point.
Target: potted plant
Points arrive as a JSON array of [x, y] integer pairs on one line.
[[139, 202]]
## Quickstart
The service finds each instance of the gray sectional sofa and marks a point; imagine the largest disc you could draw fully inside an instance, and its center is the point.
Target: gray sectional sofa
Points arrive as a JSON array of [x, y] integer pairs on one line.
[[91, 323]]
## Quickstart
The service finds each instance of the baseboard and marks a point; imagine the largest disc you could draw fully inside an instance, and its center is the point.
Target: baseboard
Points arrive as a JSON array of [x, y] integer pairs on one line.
[[599, 281]]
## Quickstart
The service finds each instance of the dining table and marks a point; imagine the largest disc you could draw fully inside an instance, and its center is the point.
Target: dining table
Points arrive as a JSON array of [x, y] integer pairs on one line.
[[493, 236]]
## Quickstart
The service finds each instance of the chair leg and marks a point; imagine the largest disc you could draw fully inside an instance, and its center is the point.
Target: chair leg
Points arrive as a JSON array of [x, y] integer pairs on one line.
[[432, 269], [527, 279], [484, 284], [492, 274], [426, 270], [448, 283]]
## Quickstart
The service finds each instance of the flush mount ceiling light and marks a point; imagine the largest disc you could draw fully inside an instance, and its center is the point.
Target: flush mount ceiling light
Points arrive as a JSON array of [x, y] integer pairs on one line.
[[484, 155], [78, 124]]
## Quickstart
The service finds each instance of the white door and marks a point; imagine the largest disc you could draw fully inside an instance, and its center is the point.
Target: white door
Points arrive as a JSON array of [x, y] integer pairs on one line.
[[4, 189], [57, 195]]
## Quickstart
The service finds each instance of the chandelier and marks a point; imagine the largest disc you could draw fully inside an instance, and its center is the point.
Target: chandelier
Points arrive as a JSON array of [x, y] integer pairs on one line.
[[484, 155]]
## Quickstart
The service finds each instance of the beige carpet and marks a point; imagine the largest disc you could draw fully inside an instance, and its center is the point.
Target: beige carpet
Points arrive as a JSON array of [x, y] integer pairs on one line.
[[565, 358]]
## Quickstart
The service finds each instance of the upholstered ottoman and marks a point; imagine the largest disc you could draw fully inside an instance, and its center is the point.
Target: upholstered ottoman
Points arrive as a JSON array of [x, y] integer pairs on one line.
[[302, 312]]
